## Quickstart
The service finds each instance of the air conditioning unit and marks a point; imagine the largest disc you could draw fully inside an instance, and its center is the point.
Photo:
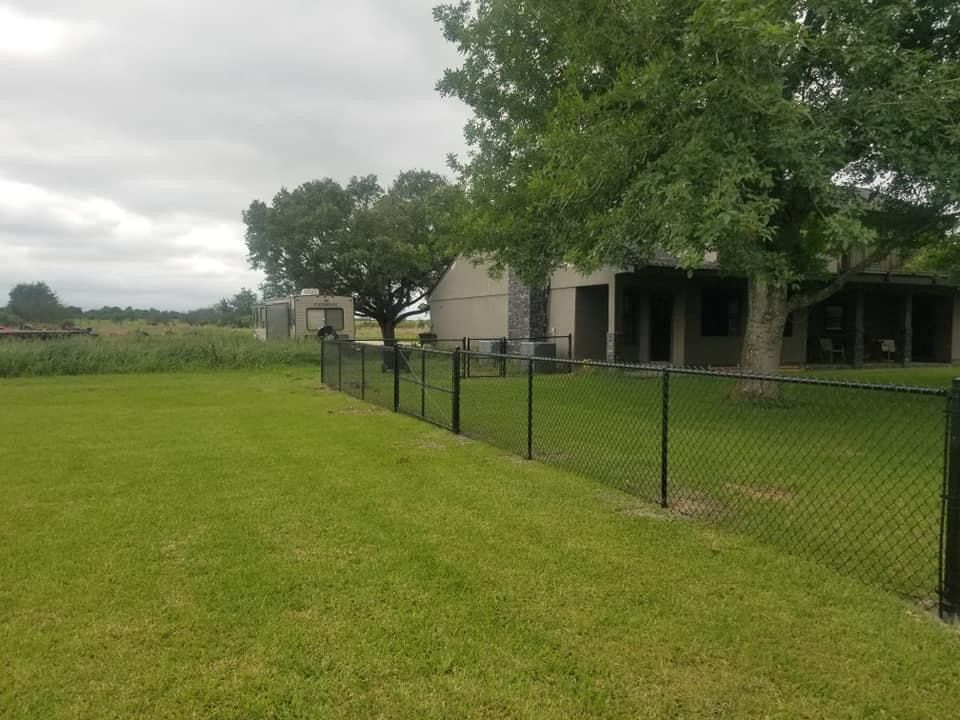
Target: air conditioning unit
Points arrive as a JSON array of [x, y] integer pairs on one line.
[[494, 347], [310, 292], [535, 349], [539, 350]]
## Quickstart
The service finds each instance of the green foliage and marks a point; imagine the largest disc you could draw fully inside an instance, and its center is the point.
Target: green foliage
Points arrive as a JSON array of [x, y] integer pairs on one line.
[[775, 134], [242, 545], [7, 317], [238, 310], [36, 302], [128, 314], [942, 259], [386, 249], [199, 350]]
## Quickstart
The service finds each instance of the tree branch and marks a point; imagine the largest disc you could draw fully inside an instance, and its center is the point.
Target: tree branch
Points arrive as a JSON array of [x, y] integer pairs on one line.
[[420, 297], [411, 313], [834, 286]]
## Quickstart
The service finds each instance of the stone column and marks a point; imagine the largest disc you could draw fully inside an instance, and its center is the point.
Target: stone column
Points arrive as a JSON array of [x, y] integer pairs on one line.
[[526, 309]]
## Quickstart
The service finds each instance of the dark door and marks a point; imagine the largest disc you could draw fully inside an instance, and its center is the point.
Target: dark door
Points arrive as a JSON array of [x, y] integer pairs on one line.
[[924, 322], [278, 321], [661, 325]]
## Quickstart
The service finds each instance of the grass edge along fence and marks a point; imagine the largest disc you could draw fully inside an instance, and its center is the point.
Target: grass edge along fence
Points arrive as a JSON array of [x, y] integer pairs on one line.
[[861, 477]]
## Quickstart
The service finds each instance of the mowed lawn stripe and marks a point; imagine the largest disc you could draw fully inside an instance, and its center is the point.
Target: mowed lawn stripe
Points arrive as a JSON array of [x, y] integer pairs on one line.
[[247, 544]]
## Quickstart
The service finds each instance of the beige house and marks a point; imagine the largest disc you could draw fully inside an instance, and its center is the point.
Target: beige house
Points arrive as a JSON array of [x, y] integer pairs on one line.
[[659, 313]]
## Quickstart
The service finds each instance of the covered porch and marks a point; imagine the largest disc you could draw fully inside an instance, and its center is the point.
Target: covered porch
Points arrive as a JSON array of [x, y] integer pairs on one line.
[[885, 322], [648, 314], [662, 315]]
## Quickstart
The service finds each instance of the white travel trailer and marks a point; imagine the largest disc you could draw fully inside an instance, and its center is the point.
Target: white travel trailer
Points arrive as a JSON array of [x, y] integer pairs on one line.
[[304, 316]]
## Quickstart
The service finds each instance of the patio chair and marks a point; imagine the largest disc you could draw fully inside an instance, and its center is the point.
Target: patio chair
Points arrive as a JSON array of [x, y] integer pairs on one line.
[[888, 347], [830, 351]]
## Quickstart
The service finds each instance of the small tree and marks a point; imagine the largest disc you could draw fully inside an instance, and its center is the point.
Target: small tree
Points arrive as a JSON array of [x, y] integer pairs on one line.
[[385, 249], [237, 310], [777, 136], [36, 302]]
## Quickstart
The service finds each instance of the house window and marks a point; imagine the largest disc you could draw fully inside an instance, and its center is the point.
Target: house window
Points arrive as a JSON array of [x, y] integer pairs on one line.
[[721, 312], [318, 318], [834, 318]]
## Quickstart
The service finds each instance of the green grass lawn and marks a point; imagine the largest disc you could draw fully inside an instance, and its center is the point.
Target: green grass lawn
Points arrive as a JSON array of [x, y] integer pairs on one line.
[[851, 478], [927, 375], [247, 545]]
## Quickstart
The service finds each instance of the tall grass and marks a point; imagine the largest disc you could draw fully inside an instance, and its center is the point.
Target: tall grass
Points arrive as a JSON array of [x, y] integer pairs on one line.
[[202, 350]]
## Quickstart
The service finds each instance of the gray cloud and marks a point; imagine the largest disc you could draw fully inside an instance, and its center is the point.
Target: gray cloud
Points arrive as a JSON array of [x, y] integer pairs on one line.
[[133, 138]]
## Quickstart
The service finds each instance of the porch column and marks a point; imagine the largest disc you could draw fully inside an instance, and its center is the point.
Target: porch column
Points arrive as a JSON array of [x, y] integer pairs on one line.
[[955, 331], [678, 343], [907, 329], [614, 320], [858, 340]]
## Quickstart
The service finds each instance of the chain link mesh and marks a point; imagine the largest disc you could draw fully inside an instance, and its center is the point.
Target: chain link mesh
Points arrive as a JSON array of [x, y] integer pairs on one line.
[[848, 475]]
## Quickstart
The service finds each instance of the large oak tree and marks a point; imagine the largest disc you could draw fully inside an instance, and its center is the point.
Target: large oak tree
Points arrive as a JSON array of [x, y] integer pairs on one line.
[[776, 134], [386, 249]]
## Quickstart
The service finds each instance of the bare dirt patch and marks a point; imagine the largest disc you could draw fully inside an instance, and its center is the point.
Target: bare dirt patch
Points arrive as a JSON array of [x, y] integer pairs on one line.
[[357, 410], [759, 492], [698, 505]]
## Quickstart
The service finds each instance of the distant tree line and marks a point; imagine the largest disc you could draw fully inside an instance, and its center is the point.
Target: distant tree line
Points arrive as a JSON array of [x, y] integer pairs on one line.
[[38, 303]]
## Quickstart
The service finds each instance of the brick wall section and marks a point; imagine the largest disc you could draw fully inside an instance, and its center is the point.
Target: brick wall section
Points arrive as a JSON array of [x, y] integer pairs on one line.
[[526, 309]]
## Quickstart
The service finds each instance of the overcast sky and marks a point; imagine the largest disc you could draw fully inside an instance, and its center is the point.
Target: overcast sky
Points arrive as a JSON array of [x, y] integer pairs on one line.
[[134, 132]]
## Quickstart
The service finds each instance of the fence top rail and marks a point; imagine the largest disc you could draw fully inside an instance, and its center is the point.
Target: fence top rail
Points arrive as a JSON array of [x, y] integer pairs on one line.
[[661, 368], [519, 339], [405, 347]]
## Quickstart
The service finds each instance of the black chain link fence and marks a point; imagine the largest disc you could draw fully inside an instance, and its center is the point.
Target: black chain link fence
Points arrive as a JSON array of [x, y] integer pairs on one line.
[[850, 475]]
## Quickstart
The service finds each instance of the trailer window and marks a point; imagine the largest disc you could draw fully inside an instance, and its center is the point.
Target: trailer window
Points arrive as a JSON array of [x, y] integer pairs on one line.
[[321, 317]]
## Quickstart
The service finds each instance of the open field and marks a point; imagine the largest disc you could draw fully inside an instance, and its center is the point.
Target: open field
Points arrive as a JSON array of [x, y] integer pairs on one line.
[[134, 327], [408, 330], [849, 477], [205, 348], [245, 544]]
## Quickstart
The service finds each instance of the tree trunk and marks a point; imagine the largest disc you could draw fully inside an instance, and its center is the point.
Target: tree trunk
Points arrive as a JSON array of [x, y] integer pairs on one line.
[[387, 331], [763, 337]]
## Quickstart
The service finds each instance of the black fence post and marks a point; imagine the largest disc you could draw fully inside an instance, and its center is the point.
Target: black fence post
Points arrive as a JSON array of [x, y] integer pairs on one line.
[[363, 372], [396, 377], [950, 583], [323, 346], [423, 383], [570, 346], [665, 439], [503, 360], [530, 409], [465, 344], [455, 418], [340, 366]]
